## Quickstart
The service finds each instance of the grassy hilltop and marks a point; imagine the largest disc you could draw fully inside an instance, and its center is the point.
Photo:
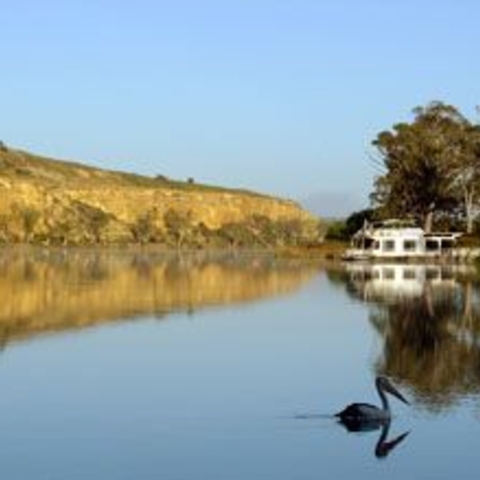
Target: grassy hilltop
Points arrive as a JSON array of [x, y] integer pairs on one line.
[[54, 202]]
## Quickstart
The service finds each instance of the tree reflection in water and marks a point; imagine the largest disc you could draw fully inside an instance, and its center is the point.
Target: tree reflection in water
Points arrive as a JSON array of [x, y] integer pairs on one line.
[[429, 320]]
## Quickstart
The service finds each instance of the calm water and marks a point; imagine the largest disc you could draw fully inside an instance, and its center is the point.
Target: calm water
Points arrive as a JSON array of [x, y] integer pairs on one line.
[[128, 366]]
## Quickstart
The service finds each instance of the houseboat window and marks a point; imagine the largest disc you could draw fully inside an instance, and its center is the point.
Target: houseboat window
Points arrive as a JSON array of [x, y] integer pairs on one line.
[[363, 242], [432, 245], [409, 245], [388, 245], [447, 244], [376, 245]]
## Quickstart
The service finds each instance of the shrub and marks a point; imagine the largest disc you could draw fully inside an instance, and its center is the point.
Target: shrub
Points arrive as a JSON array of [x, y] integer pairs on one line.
[[337, 231], [92, 219], [178, 225], [30, 218], [143, 230]]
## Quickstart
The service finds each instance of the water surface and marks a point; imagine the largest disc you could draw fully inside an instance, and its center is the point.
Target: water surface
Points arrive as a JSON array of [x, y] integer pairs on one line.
[[126, 365]]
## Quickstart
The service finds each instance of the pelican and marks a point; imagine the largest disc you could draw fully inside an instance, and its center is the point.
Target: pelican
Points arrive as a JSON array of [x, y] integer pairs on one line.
[[366, 415]]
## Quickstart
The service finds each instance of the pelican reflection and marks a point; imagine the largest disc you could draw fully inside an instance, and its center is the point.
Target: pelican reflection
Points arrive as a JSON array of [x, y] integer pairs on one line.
[[384, 446]]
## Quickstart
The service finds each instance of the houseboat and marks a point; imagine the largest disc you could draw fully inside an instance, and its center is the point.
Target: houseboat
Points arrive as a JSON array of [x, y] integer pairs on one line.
[[400, 239]]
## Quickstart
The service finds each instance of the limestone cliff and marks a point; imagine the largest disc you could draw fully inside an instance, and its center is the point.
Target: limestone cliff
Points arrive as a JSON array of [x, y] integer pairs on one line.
[[55, 202]]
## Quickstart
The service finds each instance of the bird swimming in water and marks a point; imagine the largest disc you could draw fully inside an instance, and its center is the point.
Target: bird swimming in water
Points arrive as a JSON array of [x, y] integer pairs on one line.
[[364, 416]]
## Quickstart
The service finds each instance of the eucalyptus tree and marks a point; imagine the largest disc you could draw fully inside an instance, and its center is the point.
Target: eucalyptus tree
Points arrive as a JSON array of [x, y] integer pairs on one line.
[[431, 165], [465, 156]]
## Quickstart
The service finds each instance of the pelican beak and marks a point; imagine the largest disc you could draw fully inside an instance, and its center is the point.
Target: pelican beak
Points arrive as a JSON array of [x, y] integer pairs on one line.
[[397, 394]]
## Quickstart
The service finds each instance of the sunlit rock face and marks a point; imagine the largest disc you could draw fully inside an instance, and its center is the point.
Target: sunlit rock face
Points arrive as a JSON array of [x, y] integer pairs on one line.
[[49, 290], [52, 202]]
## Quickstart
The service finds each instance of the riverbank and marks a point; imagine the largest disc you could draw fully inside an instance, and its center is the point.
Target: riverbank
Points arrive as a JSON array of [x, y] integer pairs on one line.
[[330, 251]]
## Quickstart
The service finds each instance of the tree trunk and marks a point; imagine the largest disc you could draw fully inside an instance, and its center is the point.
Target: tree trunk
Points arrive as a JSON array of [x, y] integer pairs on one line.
[[428, 222]]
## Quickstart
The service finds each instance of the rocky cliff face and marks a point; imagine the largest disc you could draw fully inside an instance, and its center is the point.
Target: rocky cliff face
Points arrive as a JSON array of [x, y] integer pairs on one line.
[[52, 202]]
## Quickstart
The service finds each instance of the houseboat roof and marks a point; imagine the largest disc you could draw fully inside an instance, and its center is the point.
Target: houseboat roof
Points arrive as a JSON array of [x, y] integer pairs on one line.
[[398, 228]]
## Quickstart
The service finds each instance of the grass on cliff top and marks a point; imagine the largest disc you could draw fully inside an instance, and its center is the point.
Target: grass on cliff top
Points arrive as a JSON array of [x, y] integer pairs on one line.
[[18, 164]]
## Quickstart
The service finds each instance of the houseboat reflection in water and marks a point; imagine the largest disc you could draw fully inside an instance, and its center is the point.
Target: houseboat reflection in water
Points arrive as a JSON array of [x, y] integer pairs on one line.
[[390, 282], [428, 317]]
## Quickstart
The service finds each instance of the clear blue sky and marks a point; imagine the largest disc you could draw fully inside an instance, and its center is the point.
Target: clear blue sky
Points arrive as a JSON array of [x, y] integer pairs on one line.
[[282, 97]]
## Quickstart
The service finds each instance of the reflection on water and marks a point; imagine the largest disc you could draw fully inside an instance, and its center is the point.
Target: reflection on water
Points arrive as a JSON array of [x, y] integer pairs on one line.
[[428, 318], [384, 446], [214, 398], [48, 290]]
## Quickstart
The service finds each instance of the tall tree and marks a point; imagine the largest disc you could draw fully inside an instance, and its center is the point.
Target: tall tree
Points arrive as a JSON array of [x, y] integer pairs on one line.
[[465, 157], [427, 164]]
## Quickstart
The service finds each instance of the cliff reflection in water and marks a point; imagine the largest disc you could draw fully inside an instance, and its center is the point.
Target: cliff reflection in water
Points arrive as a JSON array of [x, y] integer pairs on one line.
[[429, 320], [52, 290]]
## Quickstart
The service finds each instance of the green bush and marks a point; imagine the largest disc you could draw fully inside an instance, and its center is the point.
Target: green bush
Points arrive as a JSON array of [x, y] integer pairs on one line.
[[337, 230]]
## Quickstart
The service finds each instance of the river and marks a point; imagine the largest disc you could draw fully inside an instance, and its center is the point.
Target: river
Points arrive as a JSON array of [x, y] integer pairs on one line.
[[123, 365]]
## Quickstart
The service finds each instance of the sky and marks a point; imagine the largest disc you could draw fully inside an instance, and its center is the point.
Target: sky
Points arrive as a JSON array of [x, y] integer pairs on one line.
[[281, 97]]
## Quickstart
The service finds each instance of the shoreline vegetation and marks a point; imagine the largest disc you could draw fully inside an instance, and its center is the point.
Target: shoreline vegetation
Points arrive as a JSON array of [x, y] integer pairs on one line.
[[56, 203]]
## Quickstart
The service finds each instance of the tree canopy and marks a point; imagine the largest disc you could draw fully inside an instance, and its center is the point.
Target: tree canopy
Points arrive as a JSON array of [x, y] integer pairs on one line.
[[430, 167]]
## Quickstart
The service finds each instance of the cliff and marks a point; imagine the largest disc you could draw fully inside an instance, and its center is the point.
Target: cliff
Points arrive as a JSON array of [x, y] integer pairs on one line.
[[55, 202]]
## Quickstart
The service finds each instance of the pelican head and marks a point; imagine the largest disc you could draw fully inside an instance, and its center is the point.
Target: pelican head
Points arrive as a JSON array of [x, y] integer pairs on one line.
[[384, 384]]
